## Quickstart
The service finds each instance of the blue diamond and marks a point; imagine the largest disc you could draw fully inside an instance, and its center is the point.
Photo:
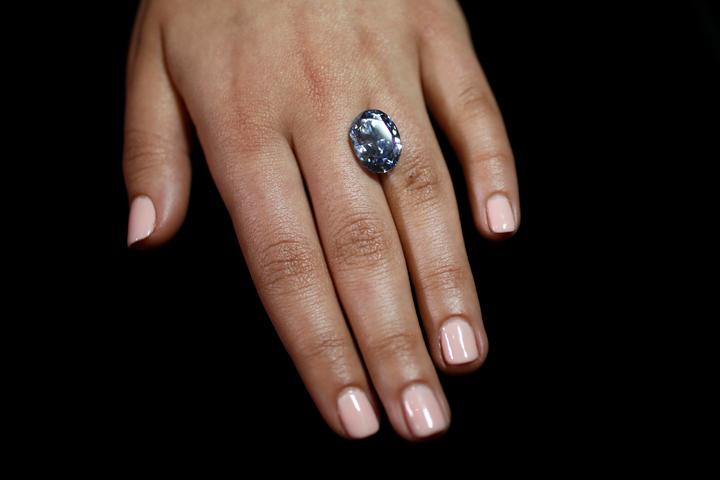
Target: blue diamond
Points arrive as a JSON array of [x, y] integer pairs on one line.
[[376, 141]]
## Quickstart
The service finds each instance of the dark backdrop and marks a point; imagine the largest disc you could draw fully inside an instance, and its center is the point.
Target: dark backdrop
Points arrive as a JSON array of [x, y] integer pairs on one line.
[[611, 110]]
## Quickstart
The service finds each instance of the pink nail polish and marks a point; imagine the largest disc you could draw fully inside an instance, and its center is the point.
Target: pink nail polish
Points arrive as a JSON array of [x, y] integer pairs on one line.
[[458, 342], [142, 219], [500, 214], [422, 411], [356, 413]]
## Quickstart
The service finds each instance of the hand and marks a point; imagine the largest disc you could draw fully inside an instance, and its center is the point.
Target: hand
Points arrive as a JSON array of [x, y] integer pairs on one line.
[[271, 89]]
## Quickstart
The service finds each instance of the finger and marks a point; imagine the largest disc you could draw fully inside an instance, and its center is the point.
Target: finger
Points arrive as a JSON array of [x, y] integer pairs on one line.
[[368, 268], [460, 99], [262, 187], [155, 158], [420, 194]]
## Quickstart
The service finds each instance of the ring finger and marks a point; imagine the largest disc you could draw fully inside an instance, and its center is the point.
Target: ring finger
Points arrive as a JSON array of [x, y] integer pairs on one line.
[[366, 260]]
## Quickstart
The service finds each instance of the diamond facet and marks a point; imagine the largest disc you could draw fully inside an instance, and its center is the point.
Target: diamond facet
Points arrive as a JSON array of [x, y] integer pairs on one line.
[[376, 141]]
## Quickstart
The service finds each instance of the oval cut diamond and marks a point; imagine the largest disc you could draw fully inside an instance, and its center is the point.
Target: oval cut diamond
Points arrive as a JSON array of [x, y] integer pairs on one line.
[[376, 141]]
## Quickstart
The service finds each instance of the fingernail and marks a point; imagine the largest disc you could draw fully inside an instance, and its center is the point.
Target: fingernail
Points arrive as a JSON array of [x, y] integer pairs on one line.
[[422, 411], [356, 413], [458, 342], [142, 219], [500, 214]]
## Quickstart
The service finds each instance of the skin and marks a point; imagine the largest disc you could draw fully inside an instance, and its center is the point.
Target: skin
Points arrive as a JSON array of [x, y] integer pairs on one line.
[[271, 89]]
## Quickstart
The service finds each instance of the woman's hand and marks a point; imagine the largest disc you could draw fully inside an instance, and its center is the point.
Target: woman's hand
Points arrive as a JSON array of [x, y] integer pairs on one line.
[[272, 88]]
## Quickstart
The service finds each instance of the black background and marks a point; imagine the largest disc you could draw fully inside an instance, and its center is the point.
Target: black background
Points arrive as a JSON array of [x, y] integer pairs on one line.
[[612, 112]]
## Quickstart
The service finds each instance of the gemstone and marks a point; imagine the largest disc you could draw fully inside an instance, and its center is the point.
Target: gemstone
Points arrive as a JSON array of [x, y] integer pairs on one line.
[[376, 141]]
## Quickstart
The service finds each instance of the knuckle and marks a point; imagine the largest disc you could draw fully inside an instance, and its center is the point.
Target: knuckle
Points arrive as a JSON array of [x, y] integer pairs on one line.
[[146, 155], [324, 91], [321, 78], [491, 161], [288, 266], [434, 29], [421, 180], [394, 344], [475, 102], [322, 345], [438, 20], [142, 147], [361, 240], [322, 83], [238, 131], [445, 278]]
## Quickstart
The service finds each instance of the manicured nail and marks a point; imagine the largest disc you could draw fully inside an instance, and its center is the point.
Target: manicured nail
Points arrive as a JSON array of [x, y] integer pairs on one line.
[[458, 342], [356, 413], [422, 411], [500, 214], [142, 219]]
